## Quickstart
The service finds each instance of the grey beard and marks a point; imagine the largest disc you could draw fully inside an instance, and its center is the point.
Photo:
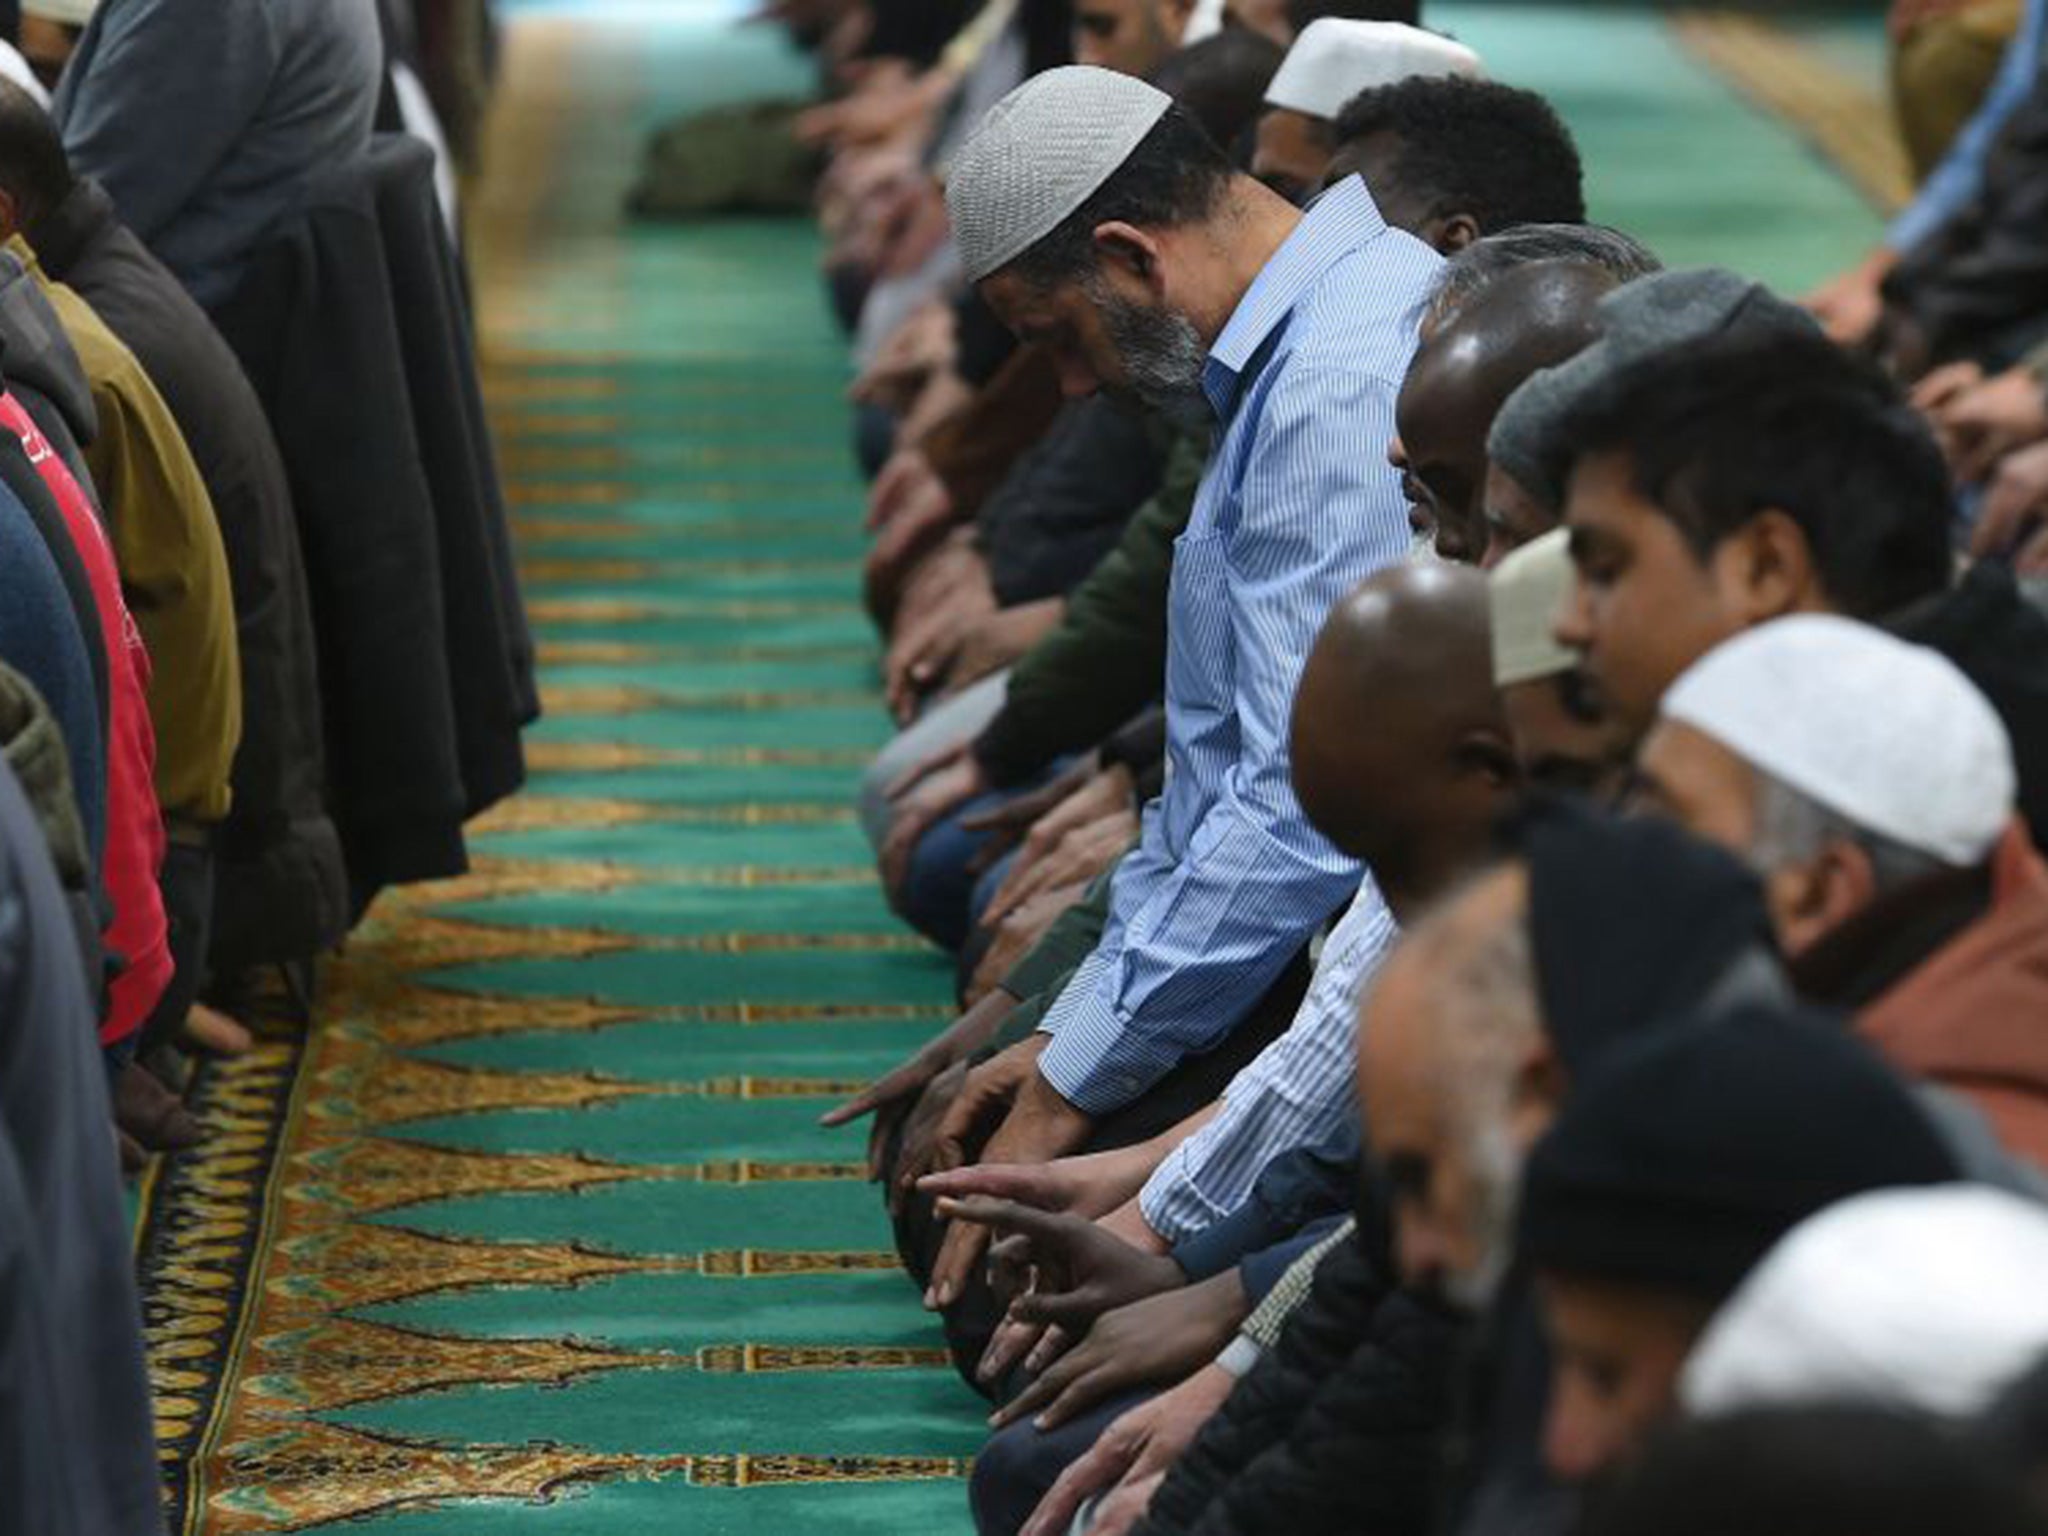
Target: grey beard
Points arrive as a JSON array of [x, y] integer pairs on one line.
[[1497, 1169], [1162, 355]]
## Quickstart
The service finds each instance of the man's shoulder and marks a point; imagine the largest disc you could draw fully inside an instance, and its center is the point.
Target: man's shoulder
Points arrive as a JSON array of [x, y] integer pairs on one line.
[[1363, 310]]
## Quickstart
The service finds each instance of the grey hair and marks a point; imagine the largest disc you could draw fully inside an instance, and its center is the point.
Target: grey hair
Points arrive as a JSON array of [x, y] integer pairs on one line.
[[1793, 828], [1488, 1017], [1486, 1004], [1468, 273]]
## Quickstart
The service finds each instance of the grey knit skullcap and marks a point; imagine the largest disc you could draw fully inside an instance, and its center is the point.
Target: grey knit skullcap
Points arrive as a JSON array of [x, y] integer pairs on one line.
[[1637, 320], [1039, 154]]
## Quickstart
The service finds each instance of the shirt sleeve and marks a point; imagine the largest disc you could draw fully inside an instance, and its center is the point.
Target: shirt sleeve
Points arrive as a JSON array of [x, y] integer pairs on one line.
[[1956, 182], [1298, 1092], [1194, 940], [1263, 1327], [170, 86]]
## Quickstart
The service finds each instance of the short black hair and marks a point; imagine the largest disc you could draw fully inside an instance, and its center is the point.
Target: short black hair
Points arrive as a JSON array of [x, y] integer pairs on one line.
[[1813, 1471], [33, 166], [1175, 176], [1477, 147], [1722, 430], [1301, 12], [1222, 80]]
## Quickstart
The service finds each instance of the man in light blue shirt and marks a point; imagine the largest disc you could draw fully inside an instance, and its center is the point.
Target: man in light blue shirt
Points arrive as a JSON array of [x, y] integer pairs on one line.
[[1100, 222]]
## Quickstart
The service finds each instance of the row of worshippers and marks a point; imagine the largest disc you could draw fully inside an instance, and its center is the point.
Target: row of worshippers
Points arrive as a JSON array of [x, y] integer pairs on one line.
[[246, 505], [221, 733], [1489, 823]]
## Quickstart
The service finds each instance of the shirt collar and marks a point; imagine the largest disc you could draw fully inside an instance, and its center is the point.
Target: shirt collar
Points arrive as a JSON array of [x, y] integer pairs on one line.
[[1337, 223]]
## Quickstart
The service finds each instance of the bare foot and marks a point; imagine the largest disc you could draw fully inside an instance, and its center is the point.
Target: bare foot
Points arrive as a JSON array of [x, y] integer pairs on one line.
[[213, 1033]]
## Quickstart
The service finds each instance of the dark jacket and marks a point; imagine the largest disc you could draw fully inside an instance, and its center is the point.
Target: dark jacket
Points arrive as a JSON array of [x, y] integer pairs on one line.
[[405, 582], [1336, 1429], [1107, 659], [1974, 289], [1064, 504], [490, 647], [282, 893]]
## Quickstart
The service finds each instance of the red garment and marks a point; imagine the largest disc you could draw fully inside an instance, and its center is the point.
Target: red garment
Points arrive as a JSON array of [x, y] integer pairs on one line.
[[1973, 1016], [134, 852]]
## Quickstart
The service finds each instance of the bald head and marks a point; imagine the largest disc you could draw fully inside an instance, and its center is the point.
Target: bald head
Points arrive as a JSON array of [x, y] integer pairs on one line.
[[1531, 318], [1400, 754]]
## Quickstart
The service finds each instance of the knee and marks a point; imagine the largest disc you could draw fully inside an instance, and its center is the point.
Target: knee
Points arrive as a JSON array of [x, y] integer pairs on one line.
[[1011, 1474]]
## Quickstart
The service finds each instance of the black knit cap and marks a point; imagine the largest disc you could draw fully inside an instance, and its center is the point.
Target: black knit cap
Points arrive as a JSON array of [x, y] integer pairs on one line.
[[1683, 1157], [1632, 922]]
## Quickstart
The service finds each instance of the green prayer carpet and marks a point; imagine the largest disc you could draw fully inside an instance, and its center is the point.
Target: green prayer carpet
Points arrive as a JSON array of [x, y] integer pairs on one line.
[[537, 1232]]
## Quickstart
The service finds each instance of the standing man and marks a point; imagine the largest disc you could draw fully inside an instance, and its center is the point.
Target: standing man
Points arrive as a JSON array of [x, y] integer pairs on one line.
[[203, 119], [1099, 221]]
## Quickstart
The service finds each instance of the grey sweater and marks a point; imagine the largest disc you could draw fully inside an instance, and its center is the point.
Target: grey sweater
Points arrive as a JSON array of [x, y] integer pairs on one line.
[[204, 118]]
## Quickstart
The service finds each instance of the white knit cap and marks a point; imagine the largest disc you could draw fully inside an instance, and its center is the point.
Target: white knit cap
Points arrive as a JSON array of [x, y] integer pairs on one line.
[[1039, 154], [1923, 1300], [1526, 590], [75, 13], [1334, 59], [1889, 735]]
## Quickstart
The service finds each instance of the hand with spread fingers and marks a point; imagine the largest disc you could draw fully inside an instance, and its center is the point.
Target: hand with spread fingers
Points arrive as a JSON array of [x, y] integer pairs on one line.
[[1006, 825], [1106, 794], [1130, 1457], [1161, 1338], [1073, 1270], [2013, 522], [922, 798], [1016, 936], [1002, 638], [891, 1097], [1036, 1125]]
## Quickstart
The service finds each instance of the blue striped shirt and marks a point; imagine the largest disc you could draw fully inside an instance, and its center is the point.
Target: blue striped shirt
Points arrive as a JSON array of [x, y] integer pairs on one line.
[[1297, 506], [1298, 1093]]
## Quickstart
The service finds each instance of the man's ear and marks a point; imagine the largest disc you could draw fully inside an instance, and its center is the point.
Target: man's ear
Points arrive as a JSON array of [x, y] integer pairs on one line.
[[1130, 259], [10, 215], [1451, 235], [1768, 567], [1809, 901], [1845, 882], [1539, 1088]]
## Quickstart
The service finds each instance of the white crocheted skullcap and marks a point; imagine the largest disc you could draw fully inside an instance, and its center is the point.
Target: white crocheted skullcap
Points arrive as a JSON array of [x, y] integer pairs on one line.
[[1889, 735], [1334, 59], [1039, 154], [73, 13], [1913, 1300], [1525, 591]]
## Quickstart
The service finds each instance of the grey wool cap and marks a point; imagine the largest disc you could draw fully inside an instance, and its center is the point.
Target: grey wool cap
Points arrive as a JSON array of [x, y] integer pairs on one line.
[[1637, 320], [1039, 154]]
